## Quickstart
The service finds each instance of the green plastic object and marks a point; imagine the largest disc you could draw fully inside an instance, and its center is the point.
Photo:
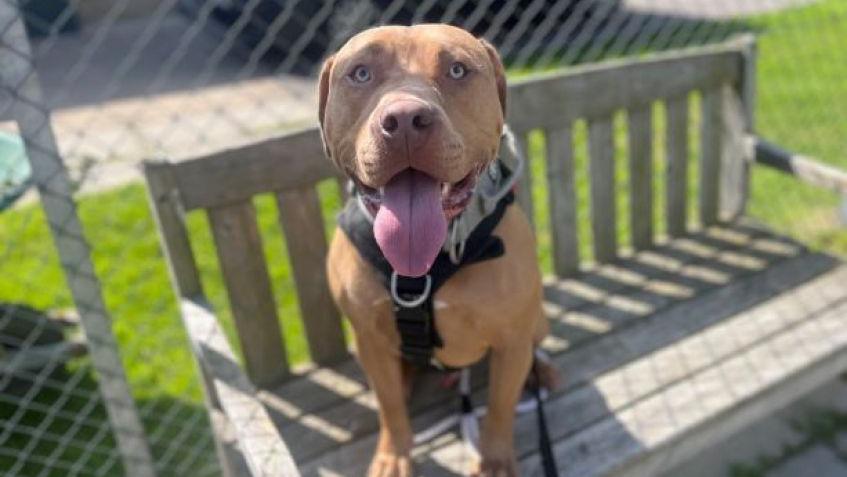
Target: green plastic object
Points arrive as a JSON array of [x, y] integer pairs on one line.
[[15, 174]]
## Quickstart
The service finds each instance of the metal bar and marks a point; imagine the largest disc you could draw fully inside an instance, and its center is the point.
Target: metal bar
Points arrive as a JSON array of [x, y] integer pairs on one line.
[[802, 167]]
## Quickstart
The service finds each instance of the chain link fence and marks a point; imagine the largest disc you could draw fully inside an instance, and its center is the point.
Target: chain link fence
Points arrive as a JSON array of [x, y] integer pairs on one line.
[[97, 378]]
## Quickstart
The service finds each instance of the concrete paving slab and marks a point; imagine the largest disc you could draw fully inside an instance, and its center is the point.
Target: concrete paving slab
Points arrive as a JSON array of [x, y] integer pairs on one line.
[[819, 461]]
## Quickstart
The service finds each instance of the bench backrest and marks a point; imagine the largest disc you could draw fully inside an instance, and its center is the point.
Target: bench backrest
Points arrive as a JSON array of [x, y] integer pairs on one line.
[[225, 183]]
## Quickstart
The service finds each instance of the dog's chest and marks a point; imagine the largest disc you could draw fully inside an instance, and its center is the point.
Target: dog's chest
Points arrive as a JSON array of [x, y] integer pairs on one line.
[[479, 307]]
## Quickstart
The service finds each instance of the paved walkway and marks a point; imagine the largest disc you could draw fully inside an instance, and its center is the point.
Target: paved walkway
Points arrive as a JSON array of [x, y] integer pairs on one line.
[[118, 99]]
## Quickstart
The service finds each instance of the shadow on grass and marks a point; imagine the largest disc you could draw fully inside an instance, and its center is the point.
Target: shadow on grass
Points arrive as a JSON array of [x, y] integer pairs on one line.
[[55, 424]]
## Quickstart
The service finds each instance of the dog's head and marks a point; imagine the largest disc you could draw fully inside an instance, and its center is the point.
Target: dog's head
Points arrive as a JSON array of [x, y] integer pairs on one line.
[[412, 115]]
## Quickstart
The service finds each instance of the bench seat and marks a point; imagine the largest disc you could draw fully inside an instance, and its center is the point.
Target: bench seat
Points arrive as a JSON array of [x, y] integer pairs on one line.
[[695, 338]]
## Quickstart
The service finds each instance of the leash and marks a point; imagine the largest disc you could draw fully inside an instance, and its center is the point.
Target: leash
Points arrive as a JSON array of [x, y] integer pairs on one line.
[[545, 448], [468, 417]]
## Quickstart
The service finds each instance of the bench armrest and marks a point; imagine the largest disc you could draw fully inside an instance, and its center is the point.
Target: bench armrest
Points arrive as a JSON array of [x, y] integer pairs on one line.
[[258, 438], [802, 167]]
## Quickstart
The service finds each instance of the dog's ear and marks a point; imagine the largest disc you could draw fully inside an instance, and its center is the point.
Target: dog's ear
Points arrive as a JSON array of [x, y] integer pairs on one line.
[[499, 72], [323, 95]]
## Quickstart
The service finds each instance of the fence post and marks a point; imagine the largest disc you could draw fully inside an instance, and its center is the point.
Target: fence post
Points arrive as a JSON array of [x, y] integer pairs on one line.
[[19, 78]]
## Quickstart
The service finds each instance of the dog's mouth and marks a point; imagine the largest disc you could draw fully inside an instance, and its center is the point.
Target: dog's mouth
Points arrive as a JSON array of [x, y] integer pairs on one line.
[[411, 212], [454, 196]]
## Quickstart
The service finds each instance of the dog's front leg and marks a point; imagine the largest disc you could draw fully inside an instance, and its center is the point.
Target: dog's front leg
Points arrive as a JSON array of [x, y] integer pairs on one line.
[[384, 370], [507, 375]]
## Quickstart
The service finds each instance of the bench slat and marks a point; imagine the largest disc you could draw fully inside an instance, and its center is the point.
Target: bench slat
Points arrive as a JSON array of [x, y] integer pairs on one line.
[[594, 91], [563, 207], [602, 172], [676, 189], [640, 134], [736, 156], [170, 220], [302, 223], [524, 191], [710, 156], [242, 263], [289, 161]]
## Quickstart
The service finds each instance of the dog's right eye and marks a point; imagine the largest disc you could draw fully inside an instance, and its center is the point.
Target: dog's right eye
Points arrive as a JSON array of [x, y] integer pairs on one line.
[[360, 74]]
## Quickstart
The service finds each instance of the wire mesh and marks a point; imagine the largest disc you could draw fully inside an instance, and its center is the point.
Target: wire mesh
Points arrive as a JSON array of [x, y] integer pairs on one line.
[[127, 80]]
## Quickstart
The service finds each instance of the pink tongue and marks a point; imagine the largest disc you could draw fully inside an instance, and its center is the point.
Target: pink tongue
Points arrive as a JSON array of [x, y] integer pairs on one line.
[[410, 226]]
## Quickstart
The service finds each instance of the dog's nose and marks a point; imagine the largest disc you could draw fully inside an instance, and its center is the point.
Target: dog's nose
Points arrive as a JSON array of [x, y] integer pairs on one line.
[[411, 119]]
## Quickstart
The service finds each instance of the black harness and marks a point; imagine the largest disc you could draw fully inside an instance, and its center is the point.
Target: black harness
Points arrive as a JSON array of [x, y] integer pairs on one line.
[[416, 324]]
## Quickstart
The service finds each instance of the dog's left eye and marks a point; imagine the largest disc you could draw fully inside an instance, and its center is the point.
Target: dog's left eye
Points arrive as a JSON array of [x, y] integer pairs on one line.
[[458, 70], [361, 74]]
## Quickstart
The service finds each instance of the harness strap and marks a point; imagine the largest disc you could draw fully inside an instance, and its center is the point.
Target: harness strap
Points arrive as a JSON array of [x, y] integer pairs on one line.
[[415, 323]]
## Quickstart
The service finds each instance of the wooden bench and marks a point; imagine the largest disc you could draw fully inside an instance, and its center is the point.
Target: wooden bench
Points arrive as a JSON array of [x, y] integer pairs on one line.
[[667, 346]]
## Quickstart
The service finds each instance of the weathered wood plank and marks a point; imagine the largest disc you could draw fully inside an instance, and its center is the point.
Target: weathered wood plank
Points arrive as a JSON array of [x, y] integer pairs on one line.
[[602, 172], [712, 137], [747, 86], [302, 223], [562, 192], [735, 156], [676, 150], [234, 175], [163, 197], [802, 167], [258, 439], [640, 133], [738, 123], [524, 190], [548, 100], [242, 262]]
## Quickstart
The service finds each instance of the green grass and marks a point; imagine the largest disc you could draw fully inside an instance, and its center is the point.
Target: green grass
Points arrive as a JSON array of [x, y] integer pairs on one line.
[[796, 69]]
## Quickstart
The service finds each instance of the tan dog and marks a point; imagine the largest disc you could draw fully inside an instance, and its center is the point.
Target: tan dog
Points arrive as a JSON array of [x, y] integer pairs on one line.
[[417, 112]]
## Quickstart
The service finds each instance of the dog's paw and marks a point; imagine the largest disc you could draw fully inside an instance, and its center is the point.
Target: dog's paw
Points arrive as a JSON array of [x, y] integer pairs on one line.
[[502, 466], [549, 377], [385, 464]]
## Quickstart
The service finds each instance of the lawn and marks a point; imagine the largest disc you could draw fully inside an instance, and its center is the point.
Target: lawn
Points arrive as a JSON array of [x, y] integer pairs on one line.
[[796, 70]]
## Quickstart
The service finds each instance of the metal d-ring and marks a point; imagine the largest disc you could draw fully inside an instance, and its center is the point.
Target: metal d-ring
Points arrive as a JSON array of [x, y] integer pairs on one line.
[[409, 303]]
